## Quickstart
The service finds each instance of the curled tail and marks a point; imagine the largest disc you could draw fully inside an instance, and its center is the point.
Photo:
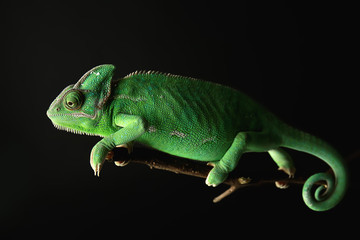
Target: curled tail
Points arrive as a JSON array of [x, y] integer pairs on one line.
[[325, 196]]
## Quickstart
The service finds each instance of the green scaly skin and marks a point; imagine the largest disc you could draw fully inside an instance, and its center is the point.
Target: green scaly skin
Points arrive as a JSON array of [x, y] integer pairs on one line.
[[193, 119]]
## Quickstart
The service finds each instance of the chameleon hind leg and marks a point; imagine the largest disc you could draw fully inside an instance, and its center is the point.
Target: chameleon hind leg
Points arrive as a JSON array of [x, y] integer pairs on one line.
[[228, 162], [283, 160], [285, 164], [243, 142]]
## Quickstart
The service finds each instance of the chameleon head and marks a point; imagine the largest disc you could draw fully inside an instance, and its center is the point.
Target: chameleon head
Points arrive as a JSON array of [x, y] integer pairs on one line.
[[77, 107]]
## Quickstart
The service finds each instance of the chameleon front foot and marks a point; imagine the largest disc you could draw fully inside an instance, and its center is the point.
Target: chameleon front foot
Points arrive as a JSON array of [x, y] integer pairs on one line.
[[97, 170], [129, 146], [101, 152], [96, 167], [98, 155], [121, 163], [110, 158]]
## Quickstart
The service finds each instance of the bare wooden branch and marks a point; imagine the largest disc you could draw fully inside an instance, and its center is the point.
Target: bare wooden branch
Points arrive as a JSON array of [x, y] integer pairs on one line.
[[158, 160]]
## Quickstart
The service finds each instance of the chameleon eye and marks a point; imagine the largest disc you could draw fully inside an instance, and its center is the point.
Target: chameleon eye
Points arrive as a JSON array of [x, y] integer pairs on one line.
[[73, 100]]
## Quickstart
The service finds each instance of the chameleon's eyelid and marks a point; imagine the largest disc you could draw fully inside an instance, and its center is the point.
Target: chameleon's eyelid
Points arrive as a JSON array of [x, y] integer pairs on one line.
[[76, 101]]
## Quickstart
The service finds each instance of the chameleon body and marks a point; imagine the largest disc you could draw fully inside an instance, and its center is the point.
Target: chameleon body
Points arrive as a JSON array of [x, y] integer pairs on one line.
[[193, 119]]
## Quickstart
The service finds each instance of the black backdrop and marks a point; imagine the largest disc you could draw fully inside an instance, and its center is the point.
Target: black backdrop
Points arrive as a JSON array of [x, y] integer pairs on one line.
[[298, 59]]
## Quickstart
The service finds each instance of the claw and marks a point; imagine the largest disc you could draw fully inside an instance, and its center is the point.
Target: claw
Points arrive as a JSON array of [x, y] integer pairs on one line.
[[128, 145], [289, 171], [209, 184], [121, 163], [110, 156], [211, 164], [281, 185], [97, 170], [96, 166]]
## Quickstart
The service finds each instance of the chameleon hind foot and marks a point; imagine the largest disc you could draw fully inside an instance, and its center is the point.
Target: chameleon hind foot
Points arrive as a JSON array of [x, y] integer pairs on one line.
[[285, 164], [289, 171], [216, 175], [228, 162], [284, 161], [281, 185]]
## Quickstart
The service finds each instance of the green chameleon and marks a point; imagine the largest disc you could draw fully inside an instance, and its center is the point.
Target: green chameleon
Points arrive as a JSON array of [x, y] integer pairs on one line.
[[192, 119]]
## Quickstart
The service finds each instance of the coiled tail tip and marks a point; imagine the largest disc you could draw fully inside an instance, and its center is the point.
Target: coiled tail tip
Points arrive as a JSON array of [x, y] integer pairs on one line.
[[321, 192]]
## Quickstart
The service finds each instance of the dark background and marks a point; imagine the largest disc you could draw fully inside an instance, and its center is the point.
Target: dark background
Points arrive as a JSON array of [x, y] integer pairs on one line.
[[298, 59]]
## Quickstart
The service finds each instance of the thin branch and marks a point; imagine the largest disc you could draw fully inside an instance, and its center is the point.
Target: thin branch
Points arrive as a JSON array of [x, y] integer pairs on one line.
[[158, 160]]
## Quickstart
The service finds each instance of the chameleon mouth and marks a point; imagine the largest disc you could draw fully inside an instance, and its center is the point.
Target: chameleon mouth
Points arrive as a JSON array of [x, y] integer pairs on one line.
[[76, 131], [70, 114]]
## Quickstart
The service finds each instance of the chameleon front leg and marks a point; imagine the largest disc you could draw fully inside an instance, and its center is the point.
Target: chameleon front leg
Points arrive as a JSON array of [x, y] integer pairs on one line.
[[132, 127]]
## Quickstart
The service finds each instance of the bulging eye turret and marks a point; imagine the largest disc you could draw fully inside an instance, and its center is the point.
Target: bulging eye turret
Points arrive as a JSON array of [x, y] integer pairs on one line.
[[73, 100]]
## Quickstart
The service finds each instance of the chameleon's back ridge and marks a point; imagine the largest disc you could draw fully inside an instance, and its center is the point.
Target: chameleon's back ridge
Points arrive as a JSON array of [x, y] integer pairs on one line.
[[189, 118]]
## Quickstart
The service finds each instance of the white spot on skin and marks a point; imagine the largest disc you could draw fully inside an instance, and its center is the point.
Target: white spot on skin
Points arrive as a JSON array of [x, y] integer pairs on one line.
[[178, 134], [152, 129], [134, 99], [96, 73], [210, 139]]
